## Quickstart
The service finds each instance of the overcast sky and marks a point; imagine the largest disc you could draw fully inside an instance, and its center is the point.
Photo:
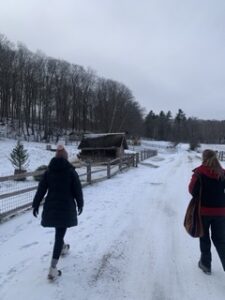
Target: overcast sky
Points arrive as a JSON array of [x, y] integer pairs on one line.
[[170, 53]]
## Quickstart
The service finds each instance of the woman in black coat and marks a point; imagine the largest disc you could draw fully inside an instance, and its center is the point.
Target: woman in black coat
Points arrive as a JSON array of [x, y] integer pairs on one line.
[[64, 197], [209, 178]]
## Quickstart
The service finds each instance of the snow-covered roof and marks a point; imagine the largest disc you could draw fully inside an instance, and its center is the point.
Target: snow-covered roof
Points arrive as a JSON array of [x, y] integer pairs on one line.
[[103, 141]]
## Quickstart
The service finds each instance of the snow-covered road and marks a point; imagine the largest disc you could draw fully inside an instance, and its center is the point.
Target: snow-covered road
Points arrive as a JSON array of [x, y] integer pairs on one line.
[[130, 243]]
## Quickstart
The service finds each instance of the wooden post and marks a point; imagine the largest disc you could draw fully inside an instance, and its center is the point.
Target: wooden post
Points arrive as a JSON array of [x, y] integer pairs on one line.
[[137, 160], [133, 160], [108, 170], [89, 172], [120, 164]]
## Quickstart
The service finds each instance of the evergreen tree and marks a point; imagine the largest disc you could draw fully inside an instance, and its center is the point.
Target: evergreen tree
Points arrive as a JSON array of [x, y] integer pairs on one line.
[[169, 115], [180, 131], [149, 125], [19, 157], [180, 117]]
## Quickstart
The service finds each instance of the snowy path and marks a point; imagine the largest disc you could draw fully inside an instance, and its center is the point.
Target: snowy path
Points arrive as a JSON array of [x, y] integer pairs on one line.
[[130, 243]]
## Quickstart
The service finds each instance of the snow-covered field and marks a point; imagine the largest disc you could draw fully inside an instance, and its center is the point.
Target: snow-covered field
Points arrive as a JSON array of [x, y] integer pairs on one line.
[[38, 155], [130, 242]]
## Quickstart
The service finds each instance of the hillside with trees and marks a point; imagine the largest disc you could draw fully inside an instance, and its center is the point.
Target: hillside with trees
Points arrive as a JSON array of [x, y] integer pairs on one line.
[[43, 98]]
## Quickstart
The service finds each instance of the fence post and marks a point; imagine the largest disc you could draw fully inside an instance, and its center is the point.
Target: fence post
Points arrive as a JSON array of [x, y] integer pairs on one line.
[[136, 159], [130, 161], [108, 170], [120, 164], [89, 172]]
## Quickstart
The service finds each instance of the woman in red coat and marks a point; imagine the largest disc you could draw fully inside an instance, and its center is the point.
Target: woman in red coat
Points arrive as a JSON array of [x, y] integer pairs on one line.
[[210, 177]]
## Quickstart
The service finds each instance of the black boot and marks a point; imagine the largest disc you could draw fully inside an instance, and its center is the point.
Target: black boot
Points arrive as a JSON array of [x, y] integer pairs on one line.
[[206, 270]]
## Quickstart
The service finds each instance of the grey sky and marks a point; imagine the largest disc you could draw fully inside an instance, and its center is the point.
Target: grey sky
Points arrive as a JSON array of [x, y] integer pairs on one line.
[[170, 53]]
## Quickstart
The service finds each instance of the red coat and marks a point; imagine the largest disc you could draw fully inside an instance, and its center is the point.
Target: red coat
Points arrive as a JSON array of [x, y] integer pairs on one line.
[[213, 191]]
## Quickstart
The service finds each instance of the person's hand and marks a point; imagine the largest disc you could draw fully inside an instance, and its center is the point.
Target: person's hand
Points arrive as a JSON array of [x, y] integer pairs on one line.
[[35, 212], [80, 209]]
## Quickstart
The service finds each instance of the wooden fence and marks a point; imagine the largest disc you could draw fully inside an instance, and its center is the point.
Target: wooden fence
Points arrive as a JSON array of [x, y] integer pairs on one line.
[[221, 155], [15, 200]]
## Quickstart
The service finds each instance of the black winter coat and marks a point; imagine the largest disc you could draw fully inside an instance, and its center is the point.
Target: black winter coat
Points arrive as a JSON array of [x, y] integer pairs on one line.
[[64, 193]]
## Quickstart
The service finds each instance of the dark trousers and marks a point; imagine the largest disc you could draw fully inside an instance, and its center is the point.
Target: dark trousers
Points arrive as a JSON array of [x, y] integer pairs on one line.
[[59, 241], [217, 226]]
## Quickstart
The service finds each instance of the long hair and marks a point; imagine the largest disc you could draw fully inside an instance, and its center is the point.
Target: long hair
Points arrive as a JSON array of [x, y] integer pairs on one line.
[[210, 160]]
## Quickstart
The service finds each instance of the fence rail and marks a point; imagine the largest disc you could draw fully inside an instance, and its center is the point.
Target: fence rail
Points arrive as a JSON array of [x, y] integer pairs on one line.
[[18, 195], [221, 155]]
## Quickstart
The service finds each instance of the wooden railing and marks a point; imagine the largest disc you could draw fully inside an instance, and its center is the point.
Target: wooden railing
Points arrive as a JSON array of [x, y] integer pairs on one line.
[[221, 155], [10, 202]]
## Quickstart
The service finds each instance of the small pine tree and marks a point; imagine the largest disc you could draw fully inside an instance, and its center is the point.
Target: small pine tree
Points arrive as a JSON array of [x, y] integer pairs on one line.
[[19, 157]]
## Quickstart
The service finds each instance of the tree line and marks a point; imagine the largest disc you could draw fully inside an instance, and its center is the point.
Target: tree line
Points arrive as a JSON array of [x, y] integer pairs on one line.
[[43, 96], [181, 128]]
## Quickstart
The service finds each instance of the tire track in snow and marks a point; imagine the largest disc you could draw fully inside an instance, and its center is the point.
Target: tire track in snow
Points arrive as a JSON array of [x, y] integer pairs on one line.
[[155, 262]]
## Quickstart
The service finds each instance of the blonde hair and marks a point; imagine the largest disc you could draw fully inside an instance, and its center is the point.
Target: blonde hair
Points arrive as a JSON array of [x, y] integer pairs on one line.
[[209, 159]]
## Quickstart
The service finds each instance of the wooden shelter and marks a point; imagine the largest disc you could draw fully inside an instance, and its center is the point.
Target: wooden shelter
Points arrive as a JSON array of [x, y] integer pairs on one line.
[[102, 147]]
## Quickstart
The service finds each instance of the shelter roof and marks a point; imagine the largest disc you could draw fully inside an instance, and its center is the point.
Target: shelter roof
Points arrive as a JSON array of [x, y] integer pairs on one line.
[[103, 141]]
